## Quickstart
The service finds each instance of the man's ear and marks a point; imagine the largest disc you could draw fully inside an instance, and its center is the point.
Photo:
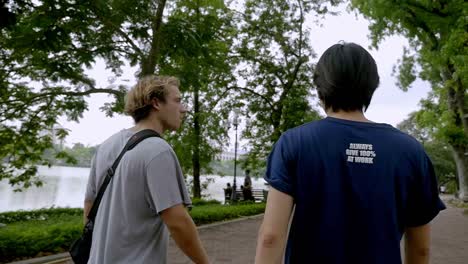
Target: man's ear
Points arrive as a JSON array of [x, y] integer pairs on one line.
[[156, 103]]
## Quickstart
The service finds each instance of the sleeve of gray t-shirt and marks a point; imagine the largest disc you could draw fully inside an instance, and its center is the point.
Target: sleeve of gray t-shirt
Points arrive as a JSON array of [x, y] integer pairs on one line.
[[91, 190], [165, 182]]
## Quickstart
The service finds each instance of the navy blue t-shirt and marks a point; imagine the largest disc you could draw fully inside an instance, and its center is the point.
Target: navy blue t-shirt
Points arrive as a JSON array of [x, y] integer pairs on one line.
[[356, 187]]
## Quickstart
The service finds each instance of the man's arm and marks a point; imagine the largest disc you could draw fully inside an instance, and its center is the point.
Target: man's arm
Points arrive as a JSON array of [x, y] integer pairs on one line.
[[274, 230], [86, 209], [417, 244], [184, 233]]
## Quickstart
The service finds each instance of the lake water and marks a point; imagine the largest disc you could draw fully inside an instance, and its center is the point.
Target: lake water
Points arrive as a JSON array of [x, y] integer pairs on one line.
[[66, 186]]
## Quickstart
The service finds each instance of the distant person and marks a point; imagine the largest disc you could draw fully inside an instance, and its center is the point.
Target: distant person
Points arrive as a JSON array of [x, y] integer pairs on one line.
[[145, 201], [357, 186], [247, 179], [228, 192], [247, 191]]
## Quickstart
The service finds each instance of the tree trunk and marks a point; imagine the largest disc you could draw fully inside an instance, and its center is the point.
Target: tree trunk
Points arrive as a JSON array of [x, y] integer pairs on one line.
[[148, 65], [460, 154], [456, 105], [196, 147], [460, 101]]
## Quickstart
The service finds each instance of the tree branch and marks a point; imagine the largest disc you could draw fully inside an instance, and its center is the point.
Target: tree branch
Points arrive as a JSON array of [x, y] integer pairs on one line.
[[262, 63], [121, 33], [40, 96], [223, 95], [421, 7], [301, 33], [421, 24]]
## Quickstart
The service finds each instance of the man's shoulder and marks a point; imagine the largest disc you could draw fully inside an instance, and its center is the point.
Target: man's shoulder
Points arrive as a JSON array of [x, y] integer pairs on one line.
[[154, 147], [304, 129], [156, 143], [115, 142]]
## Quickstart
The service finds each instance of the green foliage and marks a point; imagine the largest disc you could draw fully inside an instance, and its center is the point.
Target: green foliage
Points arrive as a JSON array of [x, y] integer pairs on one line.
[[45, 47], [201, 37], [29, 234], [38, 215], [201, 202], [451, 187], [442, 159], [438, 151], [79, 155], [275, 70], [82, 154], [210, 214], [30, 238], [438, 40]]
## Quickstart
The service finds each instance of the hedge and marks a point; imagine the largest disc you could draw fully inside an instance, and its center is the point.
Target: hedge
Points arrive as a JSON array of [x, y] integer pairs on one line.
[[36, 233]]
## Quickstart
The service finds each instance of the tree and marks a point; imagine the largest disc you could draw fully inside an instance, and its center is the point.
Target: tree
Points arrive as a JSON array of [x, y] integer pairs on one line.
[[45, 46], [438, 151], [275, 70], [437, 53], [202, 36]]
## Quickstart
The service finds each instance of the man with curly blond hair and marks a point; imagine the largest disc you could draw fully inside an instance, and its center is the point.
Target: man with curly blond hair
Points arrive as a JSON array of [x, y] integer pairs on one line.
[[146, 198]]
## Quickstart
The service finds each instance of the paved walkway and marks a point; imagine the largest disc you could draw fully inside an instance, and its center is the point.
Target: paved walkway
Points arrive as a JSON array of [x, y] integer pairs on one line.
[[450, 237], [235, 242], [232, 242]]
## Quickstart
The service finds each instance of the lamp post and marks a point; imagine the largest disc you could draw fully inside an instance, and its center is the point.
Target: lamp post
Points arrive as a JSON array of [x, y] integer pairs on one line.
[[234, 186]]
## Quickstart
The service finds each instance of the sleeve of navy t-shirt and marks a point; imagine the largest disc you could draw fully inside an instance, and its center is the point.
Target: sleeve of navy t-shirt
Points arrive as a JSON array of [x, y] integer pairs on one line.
[[278, 173], [423, 201]]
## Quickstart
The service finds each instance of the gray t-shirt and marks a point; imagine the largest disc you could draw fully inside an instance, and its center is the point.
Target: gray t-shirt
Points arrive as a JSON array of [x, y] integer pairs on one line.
[[148, 180]]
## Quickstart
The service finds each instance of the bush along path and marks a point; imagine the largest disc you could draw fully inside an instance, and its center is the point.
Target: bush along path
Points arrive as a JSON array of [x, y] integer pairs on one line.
[[29, 234]]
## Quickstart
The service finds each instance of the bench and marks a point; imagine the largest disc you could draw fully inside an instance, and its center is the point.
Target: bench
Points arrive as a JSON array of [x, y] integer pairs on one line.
[[258, 195]]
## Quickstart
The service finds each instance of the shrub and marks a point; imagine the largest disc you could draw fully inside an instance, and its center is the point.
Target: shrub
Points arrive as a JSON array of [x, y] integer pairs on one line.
[[198, 202], [34, 237], [41, 214], [49, 231], [209, 214]]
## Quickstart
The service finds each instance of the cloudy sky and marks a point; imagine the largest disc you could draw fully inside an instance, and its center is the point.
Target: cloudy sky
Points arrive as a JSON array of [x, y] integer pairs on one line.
[[389, 105]]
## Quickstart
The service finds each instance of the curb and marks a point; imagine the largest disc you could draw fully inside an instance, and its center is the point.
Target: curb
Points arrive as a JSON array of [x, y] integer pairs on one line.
[[64, 257], [52, 259]]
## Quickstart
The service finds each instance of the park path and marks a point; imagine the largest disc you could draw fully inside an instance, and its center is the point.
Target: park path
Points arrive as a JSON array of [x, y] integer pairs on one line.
[[235, 242], [450, 237]]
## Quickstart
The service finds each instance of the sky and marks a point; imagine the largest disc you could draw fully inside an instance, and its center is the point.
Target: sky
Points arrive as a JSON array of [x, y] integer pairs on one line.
[[389, 104]]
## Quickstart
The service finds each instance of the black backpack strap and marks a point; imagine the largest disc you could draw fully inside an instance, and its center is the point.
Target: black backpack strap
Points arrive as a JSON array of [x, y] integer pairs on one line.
[[132, 142]]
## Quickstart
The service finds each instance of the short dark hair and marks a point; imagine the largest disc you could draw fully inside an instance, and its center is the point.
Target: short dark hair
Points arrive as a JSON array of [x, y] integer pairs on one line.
[[346, 77]]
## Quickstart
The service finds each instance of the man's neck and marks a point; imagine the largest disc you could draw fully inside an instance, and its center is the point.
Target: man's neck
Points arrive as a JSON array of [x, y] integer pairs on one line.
[[351, 115], [149, 123]]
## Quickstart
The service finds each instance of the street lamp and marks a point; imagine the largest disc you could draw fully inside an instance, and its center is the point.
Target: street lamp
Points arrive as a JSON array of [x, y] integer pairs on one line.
[[235, 122]]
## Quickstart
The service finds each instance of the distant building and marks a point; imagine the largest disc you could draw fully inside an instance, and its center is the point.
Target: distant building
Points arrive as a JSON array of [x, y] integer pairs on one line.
[[229, 155]]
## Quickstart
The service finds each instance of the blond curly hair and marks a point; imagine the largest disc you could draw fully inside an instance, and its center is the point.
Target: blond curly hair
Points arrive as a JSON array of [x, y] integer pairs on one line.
[[138, 102]]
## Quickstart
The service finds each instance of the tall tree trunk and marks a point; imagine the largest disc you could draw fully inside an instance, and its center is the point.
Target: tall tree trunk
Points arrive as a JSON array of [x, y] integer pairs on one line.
[[196, 149], [456, 105], [460, 98], [461, 159], [196, 132], [148, 64]]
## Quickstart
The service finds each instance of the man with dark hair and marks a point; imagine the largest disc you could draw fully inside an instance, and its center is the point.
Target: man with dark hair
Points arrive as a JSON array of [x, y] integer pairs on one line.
[[356, 186], [146, 198]]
